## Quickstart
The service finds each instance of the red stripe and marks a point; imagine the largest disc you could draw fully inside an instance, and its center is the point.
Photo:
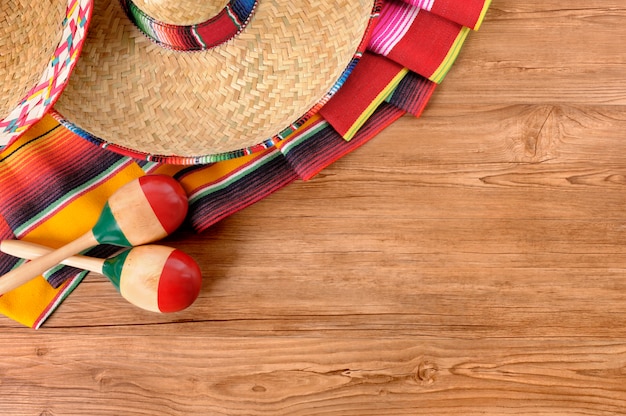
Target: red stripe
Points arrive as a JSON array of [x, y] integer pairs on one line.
[[359, 91], [179, 283], [384, 117], [425, 45], [221, 29], [38, 165], [167, 199], [252, 187], [466, 12]]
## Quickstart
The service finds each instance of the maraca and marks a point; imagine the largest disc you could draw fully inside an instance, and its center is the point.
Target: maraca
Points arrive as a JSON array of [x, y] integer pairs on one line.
[[152, 277], [144, 210]]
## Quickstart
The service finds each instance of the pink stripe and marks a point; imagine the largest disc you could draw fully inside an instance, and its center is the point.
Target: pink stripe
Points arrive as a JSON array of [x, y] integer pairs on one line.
[[422, 4], [394, 21]]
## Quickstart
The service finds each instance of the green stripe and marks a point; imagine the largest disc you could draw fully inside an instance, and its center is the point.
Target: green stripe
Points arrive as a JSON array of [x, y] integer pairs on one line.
[[198, 37], [69, 196], [140, 19], [112, 268], [236, 177], [50, 272], [367, 114], [445, 66], [148, 166], [302, 137], [482, 15], [233, 17], [107, 230]]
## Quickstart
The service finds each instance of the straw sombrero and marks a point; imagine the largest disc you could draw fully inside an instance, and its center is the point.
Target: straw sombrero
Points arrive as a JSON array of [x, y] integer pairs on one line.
[[39, 45], [191, 81]]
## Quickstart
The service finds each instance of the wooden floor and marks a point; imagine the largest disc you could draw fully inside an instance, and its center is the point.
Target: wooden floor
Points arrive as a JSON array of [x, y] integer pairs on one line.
[[470, 262]]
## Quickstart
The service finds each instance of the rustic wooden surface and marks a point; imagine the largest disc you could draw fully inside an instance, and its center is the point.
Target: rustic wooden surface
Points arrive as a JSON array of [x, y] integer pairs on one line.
[[469, 262]]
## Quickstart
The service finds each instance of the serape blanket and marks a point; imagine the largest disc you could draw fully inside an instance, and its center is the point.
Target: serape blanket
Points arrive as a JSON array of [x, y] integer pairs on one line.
[[49, 198]]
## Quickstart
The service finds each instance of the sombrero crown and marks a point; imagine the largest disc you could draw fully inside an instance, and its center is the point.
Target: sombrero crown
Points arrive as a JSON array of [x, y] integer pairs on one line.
[[258, 67], [39, 45]]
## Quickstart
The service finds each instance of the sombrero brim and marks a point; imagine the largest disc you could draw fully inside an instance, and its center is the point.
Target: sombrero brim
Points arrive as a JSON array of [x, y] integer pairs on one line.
[[40, 69], [138, 98]]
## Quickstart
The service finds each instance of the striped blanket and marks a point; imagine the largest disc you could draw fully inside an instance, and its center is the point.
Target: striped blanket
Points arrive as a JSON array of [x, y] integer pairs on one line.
[[49, 198]]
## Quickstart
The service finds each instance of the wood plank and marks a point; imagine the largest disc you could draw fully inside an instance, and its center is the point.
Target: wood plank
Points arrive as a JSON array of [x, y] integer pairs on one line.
[[267, 375], [543, 52]]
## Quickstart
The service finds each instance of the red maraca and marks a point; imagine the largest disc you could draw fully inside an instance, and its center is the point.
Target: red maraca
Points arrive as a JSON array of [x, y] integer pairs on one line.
[[144, 210], [153, 277]]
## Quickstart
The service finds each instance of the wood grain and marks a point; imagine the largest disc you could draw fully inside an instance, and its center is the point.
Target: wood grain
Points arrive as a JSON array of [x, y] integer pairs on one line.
[[469, 262], [269, 375]]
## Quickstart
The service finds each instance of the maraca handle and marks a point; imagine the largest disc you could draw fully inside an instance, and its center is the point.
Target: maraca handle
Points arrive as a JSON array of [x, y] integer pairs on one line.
[[27, 250], [34, 268]]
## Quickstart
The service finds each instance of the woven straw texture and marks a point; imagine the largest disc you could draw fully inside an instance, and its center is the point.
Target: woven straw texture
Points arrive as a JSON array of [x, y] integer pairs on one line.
[[41, 47], [135, 94], [28, 38], [181, 12]]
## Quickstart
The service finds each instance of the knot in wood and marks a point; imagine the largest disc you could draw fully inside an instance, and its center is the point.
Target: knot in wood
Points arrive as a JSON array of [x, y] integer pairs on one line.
[[426, 372]]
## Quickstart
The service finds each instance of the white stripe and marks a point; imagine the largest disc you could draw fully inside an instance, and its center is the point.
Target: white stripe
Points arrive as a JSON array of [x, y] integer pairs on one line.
[[208, 189], [312, 130], [72, 195], [197, 36], [59, 299], [424, 4], [390, 38]]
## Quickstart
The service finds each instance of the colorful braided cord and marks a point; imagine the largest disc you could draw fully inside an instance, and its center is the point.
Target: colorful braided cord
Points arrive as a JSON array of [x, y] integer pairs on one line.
[[42, 96]]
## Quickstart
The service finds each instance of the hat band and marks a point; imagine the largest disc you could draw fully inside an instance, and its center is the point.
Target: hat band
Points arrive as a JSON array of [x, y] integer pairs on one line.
[[202, 36]]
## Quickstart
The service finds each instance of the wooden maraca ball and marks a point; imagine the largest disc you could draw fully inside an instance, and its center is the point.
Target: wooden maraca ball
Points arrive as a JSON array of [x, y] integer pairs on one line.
[[153, 277], [144, 210]]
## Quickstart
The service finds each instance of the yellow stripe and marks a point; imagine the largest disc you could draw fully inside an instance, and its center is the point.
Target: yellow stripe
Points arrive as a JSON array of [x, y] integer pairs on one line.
[[374, 104], [71, 11], [43, 126], [312, 120], [482, 15], [169, 170], [82, 213], [217, 171], [446, 64], [22, 150]]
